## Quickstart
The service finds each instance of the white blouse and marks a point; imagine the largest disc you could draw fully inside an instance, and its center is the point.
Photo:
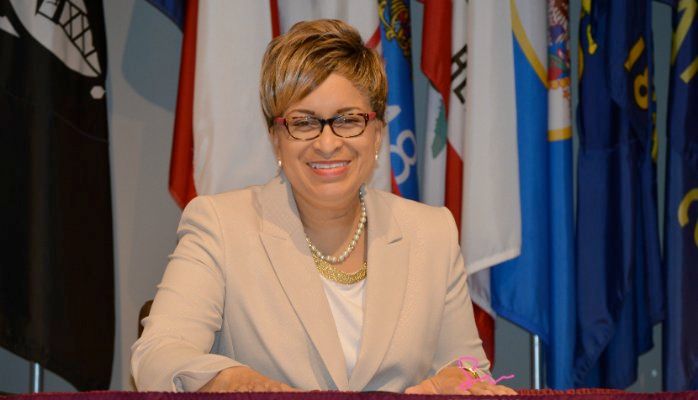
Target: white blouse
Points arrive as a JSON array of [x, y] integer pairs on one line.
[[347, 305]]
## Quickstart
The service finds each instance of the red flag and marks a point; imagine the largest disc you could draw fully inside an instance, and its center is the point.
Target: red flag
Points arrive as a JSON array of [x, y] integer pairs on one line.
[[436, 46]]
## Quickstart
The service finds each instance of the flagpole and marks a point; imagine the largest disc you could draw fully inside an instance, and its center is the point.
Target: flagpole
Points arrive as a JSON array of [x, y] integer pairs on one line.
[[536, 363], [37, 378]]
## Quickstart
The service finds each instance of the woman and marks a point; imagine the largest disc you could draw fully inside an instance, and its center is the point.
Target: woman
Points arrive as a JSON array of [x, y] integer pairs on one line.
[[313, 281]]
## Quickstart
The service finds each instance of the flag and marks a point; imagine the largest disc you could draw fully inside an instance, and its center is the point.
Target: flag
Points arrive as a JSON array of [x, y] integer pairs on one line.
[[181, 179], [559, 354], [680, 352], [221, 139], [471, 161], [619, 293], [215, 89], [175, 10], [535, 290], [484, 140], [57, 276], [436, 66], [442, 22], [362, 15], [396, 43]]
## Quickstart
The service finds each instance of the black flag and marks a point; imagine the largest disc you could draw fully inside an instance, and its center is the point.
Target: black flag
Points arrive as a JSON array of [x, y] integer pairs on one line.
[[56, 272]]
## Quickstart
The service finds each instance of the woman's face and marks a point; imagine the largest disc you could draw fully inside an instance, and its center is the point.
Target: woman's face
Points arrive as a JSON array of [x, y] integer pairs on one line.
[[329, 170]]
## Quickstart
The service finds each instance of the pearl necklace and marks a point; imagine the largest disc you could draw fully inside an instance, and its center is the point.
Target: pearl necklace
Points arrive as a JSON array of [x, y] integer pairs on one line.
[[359, 229]]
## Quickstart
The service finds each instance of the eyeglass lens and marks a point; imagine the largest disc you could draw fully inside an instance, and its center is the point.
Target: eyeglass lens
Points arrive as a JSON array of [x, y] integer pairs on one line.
[[309, 127]]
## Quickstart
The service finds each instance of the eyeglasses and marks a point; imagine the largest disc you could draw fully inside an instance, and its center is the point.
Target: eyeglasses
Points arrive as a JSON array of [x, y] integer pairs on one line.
[[307, 127]]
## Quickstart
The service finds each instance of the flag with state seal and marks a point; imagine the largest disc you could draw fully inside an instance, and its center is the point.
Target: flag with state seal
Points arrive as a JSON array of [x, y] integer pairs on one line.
[[396, 44], [536, 289]]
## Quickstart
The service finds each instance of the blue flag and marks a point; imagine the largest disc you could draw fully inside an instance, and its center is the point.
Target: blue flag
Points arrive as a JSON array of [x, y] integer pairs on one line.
[[397, 43], [681, 212], [536, 290], [619, 292]]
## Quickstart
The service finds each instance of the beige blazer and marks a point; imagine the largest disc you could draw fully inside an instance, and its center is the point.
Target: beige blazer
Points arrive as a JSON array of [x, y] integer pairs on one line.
[[241, 289]]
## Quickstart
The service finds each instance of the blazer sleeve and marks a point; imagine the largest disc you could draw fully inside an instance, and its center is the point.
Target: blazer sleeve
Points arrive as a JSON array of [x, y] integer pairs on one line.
[[174, 351], [458, 337]]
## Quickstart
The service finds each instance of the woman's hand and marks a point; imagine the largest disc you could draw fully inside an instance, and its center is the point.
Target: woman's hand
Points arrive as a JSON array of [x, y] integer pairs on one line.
[[451, 380], [244, 379]]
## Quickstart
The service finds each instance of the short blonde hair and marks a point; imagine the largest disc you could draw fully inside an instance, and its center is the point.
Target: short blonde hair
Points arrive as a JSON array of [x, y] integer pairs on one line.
[[297, 62]]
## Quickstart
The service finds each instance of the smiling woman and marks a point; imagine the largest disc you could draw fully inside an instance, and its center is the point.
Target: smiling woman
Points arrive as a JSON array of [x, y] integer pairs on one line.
[[327, 171], [313, 281]]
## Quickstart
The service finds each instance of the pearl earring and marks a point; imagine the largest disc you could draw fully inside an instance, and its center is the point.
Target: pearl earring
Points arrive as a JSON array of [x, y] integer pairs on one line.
[[278, 163], [376, 156]]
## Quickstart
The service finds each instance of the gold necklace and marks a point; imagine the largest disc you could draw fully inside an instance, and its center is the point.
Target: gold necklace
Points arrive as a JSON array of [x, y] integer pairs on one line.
[[323, 262], [335, 274]]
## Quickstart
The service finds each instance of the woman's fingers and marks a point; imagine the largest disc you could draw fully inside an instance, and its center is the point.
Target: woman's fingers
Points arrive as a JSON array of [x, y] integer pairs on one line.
[[244, 379], [452, 381], [484, 388], [424, 387]]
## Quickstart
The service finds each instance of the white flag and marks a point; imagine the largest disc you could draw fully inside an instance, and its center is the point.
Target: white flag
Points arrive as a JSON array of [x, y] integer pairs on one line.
[[491, 215], [231, 140]]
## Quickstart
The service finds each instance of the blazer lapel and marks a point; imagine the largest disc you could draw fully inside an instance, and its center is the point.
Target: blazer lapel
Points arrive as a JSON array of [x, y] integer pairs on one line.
[[387, 278], [283, 238]]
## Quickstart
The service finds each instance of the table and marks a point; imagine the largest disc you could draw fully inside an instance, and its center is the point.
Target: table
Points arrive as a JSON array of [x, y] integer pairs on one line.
[[546, 394]]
